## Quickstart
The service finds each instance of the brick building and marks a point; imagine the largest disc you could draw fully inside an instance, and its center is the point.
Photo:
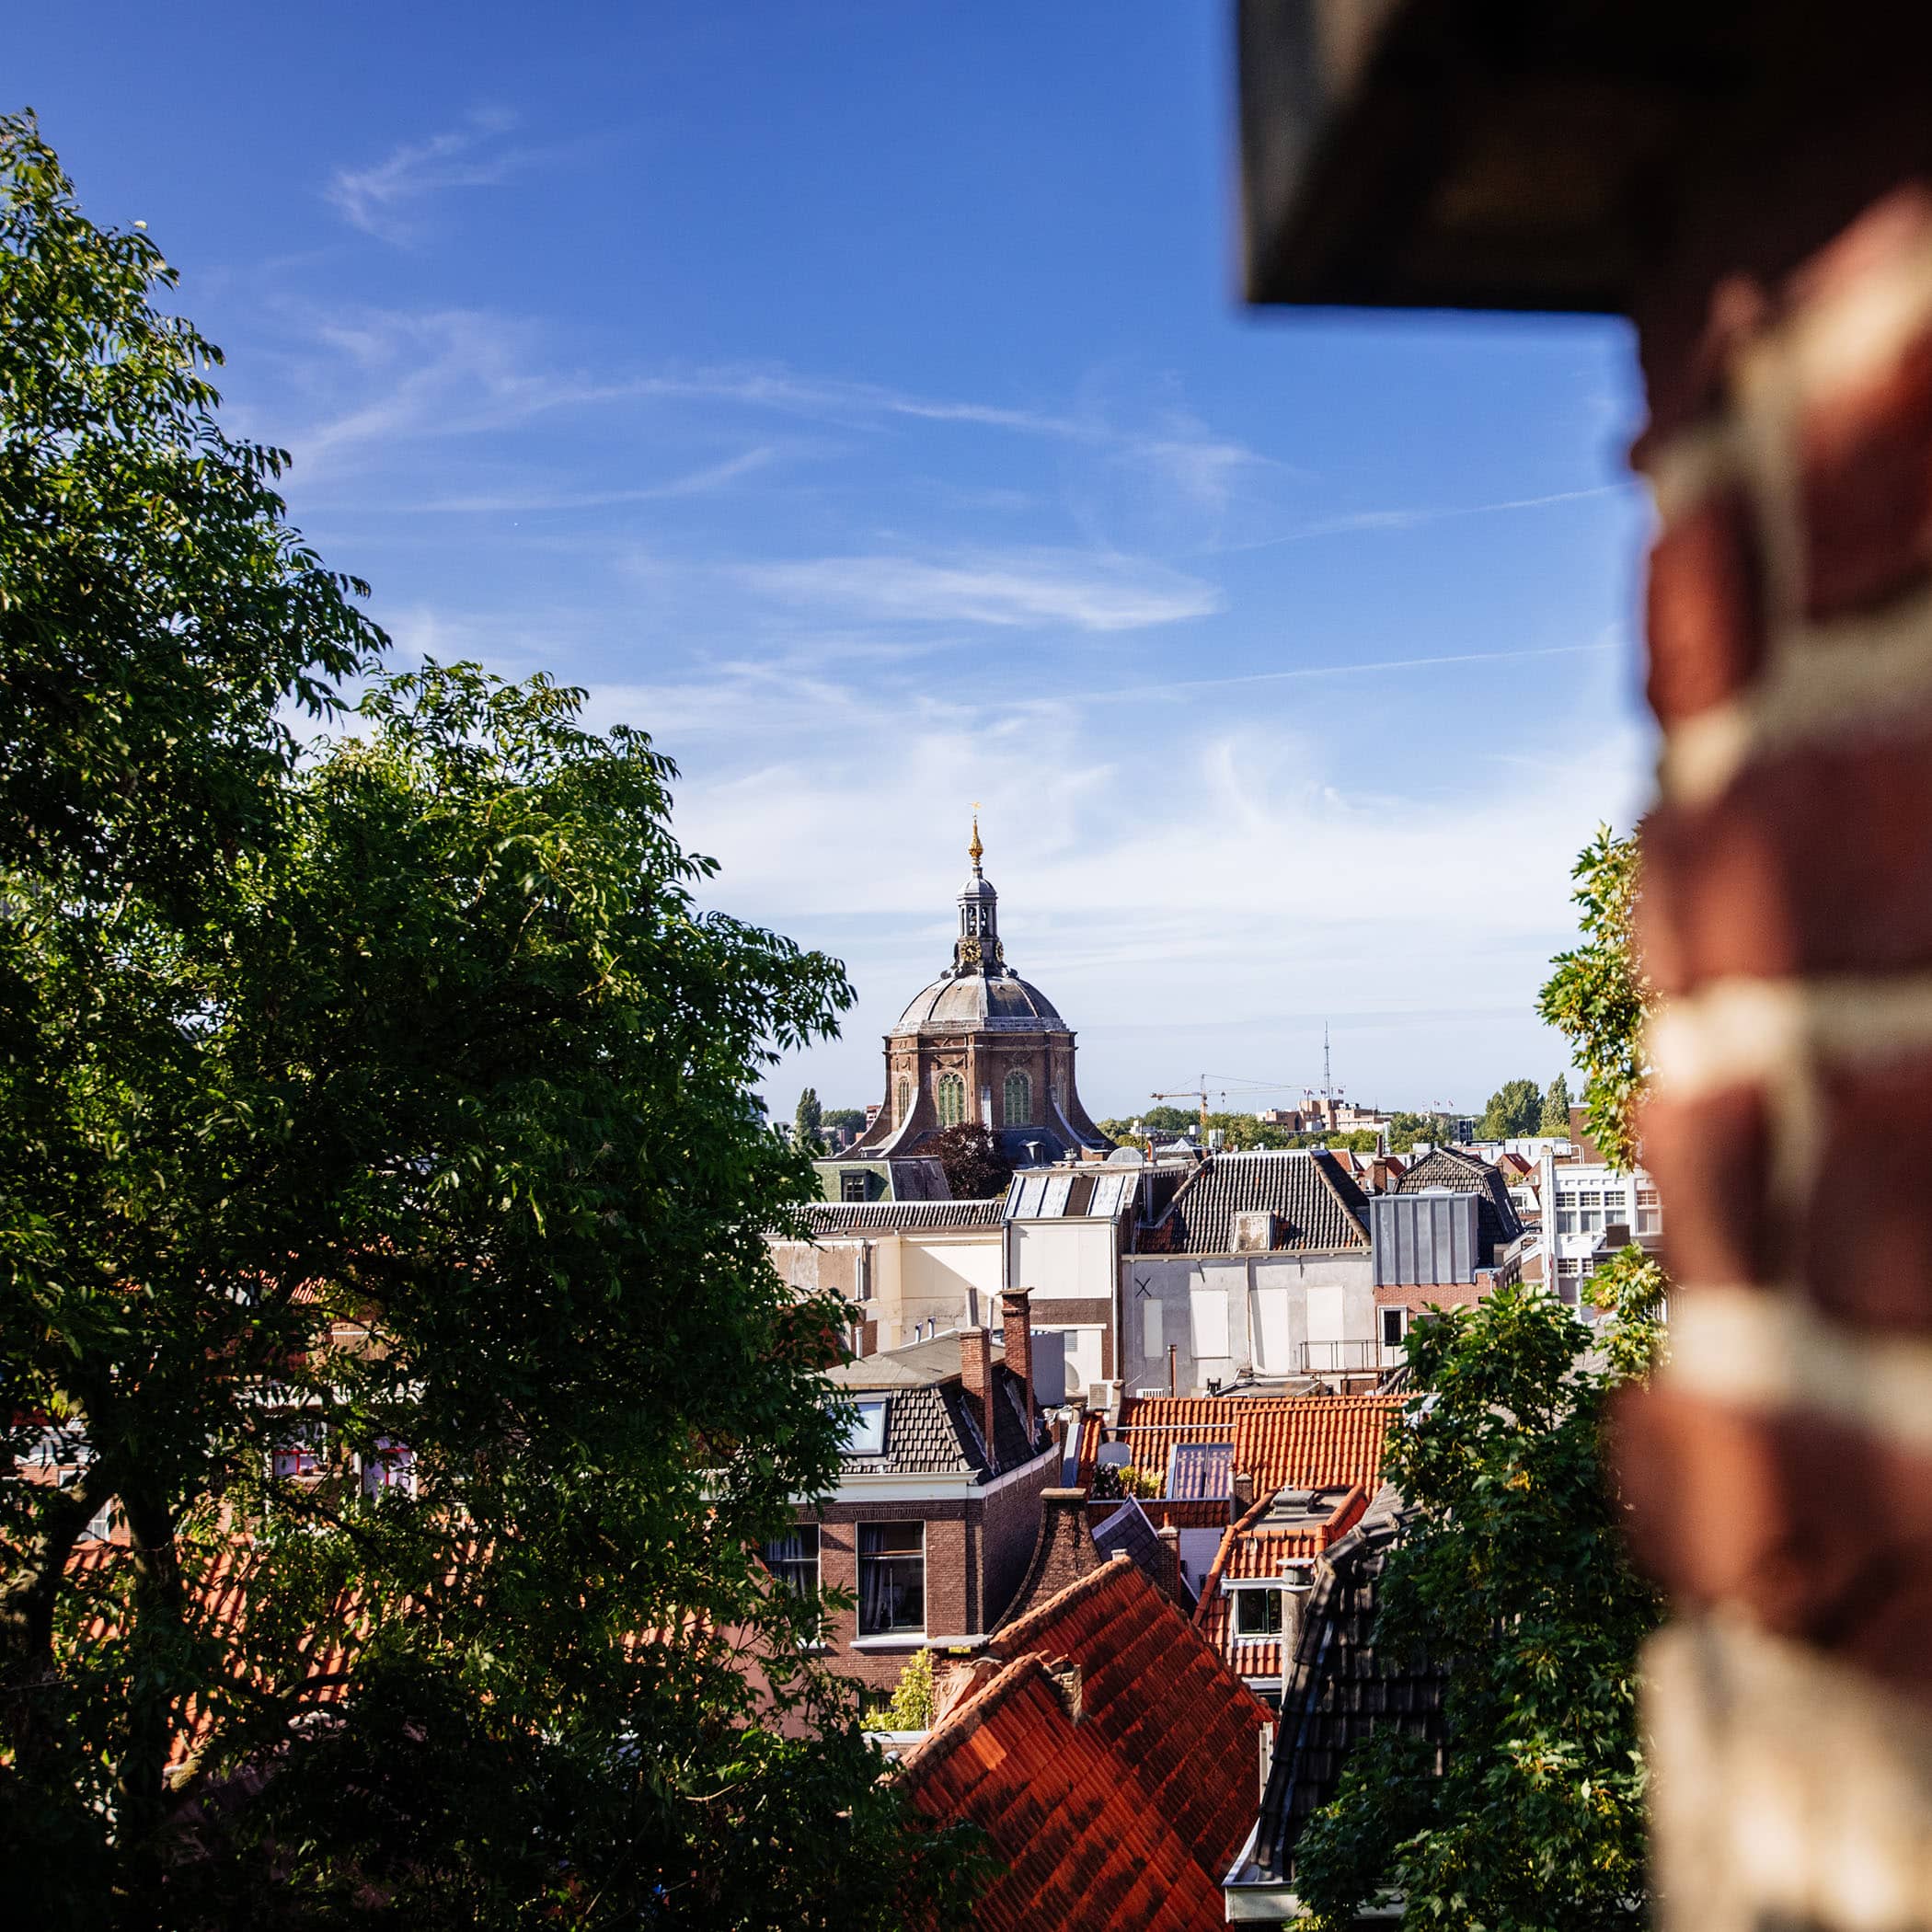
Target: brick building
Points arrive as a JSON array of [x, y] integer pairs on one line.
[[938, 1509], [982, 1045], [1752, 185]]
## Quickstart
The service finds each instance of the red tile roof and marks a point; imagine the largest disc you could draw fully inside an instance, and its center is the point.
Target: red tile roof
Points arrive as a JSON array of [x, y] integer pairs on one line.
[[1283, 1442], [1256, 1547], [1125, 1817]]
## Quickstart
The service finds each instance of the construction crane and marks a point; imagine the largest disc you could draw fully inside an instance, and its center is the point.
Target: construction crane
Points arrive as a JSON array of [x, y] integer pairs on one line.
[[1196, 1093]]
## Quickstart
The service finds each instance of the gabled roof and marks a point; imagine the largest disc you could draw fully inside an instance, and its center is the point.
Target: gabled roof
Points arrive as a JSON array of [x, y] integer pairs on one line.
[[1126, 1816], [932, 1425], [1341, 1688], [1283, 1442], [854, 1217], [1266, 1540], [1320, 1208], [1496, 1222]]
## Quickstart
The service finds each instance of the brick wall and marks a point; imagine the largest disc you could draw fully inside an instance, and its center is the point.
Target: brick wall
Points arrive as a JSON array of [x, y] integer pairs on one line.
[[976, 1554], [1781, 1469]]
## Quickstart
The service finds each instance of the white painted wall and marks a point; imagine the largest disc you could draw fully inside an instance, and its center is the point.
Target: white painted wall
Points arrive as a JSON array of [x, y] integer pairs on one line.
[[1226, 1312]]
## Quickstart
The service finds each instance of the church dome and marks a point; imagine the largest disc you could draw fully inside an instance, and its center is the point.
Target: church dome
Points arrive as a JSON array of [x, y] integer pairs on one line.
[[972, 999]]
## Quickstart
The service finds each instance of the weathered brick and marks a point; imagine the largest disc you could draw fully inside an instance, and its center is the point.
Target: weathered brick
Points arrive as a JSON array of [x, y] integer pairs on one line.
[[1706, 609], [1710, 1158], [1812, 1529], [1867, 1251], [1817, 861], [1865, 486]]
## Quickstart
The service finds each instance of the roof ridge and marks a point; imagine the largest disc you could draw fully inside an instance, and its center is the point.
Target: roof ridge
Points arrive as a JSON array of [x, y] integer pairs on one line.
[[973, 1710], [1004, 1641]]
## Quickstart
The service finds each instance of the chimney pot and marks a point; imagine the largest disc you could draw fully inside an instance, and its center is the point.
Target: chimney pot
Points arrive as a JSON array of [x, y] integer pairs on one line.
[[1243, 1499]]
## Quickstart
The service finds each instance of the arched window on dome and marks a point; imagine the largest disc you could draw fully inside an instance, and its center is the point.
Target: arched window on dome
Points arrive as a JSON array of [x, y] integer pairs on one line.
[[1019, 1100], [950, 1092], [905, 1104]]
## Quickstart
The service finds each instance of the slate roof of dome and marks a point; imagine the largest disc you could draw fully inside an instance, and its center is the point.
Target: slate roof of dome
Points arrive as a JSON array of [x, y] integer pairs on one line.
[[969, 1000]]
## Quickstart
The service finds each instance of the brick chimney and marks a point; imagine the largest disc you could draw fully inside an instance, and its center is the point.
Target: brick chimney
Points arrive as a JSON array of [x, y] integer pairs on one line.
[[1170, 1561], [1017, 1339], [1243, 1500], [976, 1373]]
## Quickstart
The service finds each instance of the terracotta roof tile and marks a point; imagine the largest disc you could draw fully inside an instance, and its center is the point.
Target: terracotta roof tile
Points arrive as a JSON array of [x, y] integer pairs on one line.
[[1283, 1442], [1127, 1818], [1256, 1547]]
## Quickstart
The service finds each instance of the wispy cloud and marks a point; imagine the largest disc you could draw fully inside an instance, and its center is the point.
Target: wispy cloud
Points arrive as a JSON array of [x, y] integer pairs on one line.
[[1415, 517], [388, 199], [1088, 592], [704, 481]]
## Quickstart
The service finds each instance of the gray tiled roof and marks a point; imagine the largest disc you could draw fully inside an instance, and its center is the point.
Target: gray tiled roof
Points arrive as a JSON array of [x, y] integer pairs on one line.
[[1496, 1222], [932, 1425], [849, 1217], [1341, 1688], [1320, 1208]]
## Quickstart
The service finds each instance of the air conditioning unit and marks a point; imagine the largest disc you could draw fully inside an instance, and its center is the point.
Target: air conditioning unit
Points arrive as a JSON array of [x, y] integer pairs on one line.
[[1142, 1394]]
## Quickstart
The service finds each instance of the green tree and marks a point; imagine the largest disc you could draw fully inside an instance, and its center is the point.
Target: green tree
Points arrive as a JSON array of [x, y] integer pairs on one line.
[[914, 1697], [976, 1168], [1513, 1111], [1511, 1569], [1555, 1108], [849, 1119], [1406, 1128], [1598, 996], [807, 1121], [397, 1102]]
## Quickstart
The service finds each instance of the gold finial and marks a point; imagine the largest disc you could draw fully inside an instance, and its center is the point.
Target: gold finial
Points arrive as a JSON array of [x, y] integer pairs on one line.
[[975, 851]]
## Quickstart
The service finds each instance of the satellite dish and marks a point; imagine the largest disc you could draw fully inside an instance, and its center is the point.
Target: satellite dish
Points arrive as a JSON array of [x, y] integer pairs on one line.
[[1114, 1455]]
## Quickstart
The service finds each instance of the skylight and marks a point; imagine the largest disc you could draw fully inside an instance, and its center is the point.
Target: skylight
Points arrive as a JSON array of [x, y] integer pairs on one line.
[[866, 1435], [1201, 1472]]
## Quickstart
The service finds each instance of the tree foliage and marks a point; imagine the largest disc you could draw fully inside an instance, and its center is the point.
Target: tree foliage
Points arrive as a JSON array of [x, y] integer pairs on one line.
[[914, 1697], [392, 1102], [1406, 1128], [1513, 1111], [807, 1121], [976, 1168], [1511, 1570], [1598, 996], [1555, 1108]]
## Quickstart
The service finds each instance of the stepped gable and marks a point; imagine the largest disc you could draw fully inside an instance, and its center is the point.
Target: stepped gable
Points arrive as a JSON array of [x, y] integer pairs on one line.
[[1110, 1758], [1341, 1688], [1283, 1442], [1318, 1206]]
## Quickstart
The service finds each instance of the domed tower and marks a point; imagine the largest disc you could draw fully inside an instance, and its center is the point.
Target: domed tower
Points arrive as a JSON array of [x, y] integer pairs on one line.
[[981, 1044]]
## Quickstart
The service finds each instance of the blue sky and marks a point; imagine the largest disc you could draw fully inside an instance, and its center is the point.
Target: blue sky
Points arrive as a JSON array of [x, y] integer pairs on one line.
[[856, 397]]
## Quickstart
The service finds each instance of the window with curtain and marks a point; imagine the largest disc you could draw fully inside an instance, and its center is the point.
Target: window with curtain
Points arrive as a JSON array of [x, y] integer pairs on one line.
[[951, 1094], [793, 1559], [1020, 1100], [891, 1578]]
